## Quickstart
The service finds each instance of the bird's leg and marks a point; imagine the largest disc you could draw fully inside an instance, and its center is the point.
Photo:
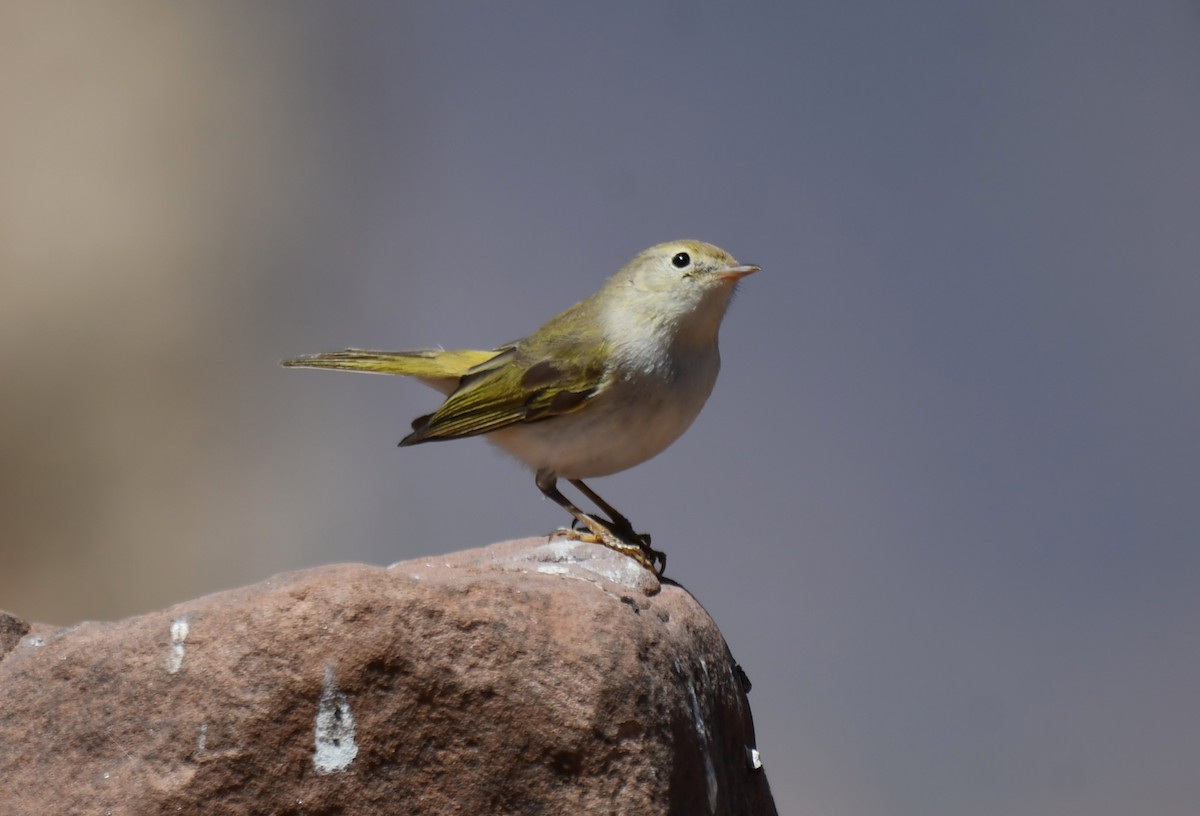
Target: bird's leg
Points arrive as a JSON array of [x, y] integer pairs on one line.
[[600, 533], [617, 519], [547, 482], [623, 526]]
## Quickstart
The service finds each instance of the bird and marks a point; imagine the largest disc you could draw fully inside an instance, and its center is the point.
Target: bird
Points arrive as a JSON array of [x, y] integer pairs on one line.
[[601, 387]]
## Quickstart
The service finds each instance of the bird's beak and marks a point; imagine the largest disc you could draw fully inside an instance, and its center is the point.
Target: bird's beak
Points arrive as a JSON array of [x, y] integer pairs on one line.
[[733, 273]]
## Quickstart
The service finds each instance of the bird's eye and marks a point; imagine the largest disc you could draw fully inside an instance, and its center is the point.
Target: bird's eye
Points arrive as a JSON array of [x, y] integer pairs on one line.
[[681, 260]]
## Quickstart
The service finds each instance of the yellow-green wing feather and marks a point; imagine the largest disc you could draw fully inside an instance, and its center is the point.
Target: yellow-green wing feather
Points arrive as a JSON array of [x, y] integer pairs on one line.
[[553, 372]]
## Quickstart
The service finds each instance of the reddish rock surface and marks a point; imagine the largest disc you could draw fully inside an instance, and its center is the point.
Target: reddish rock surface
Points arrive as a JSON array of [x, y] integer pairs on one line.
[[525, 677]]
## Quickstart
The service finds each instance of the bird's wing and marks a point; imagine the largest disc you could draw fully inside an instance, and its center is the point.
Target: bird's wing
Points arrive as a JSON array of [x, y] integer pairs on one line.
[[527, 381]]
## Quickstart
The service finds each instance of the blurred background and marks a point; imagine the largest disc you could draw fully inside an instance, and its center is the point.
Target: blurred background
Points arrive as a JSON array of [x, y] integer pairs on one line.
[[943, 501]]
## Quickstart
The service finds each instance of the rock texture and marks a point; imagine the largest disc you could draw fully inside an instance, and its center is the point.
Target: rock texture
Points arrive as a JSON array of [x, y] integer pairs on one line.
[[527, 677]]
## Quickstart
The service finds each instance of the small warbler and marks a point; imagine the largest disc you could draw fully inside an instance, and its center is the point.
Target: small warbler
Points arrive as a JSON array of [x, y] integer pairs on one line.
[[601, 387]]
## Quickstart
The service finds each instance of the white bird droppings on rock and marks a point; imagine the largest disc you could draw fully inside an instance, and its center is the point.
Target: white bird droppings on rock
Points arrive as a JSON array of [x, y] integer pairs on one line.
[[179, 633], [336, 747]]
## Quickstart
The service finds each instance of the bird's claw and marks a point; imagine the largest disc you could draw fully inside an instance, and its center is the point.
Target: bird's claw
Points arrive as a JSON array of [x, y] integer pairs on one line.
[[635, 545]]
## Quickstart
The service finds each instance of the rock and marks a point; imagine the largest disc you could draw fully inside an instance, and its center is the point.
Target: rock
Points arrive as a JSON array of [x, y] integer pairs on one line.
[[525, 677], [12, 629]]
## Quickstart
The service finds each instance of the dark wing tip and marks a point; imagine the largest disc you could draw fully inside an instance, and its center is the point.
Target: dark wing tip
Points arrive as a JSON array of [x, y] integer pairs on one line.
[[419, 426]]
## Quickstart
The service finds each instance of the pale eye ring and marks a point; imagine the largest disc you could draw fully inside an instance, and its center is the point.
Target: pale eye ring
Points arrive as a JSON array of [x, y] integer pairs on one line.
[[681, 260]]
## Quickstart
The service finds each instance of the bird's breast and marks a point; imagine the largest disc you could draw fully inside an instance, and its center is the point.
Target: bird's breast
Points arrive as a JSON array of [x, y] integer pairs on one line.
[[645, 404]]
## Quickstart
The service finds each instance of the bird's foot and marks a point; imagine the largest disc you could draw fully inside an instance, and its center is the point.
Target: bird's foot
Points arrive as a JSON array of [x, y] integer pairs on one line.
[[621, 529], [635, 545]]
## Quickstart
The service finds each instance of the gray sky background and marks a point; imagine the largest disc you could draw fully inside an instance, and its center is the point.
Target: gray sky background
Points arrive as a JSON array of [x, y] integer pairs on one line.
[[943, 502]]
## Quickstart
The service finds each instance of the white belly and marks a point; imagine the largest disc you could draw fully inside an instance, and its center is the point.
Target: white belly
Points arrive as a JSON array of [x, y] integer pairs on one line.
[[633, 420]]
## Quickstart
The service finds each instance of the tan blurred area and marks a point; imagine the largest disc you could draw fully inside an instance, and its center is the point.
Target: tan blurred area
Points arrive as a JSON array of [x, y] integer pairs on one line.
[[151, 174]]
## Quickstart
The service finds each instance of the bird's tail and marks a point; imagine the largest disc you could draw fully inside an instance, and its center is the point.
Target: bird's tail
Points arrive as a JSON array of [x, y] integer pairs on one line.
[[440, 369]]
